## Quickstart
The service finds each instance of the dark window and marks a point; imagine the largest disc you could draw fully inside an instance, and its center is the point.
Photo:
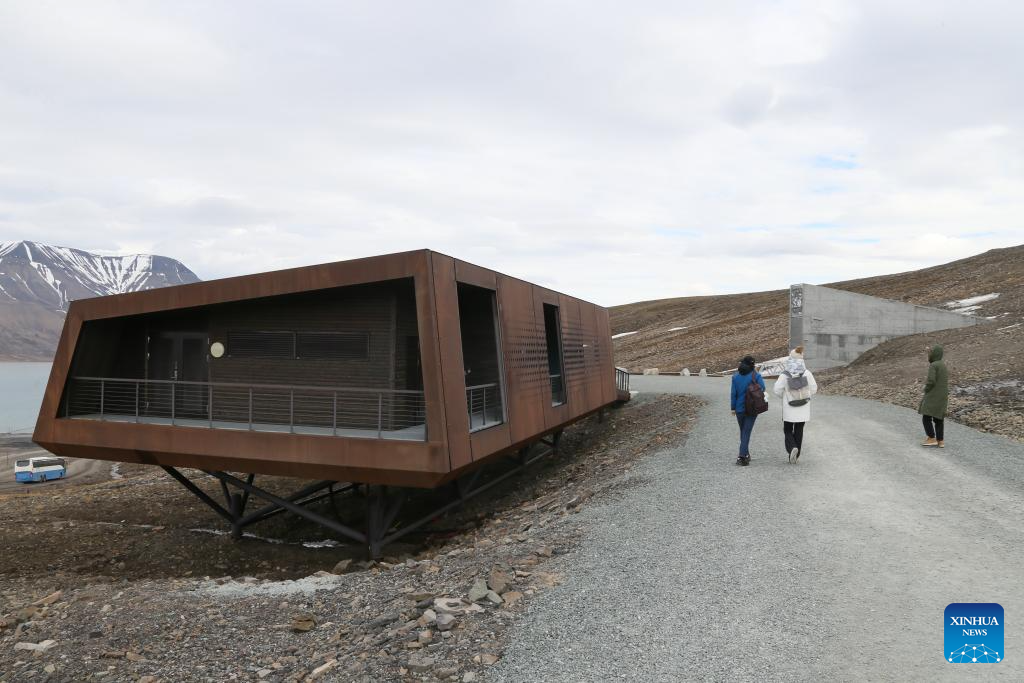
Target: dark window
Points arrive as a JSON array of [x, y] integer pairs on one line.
[[252, 344], [553, 335], [333, 345], [21, 463], [48, 462]]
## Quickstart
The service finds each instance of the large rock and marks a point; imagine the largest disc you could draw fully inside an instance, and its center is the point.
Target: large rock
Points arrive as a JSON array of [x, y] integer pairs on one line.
[[420, 663], [479, 591], [499, 580], [685, 372], [703, 372], [445, 622], [302, 623]]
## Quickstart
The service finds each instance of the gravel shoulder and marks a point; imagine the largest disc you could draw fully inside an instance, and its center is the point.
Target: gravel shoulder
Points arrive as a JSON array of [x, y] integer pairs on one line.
[[837, 568]]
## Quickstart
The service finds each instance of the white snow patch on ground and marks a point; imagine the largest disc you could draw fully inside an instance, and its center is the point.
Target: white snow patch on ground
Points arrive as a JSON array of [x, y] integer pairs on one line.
[[115, 471], [675, 329], [624, 334], [966, 309], [325, 543], [972, 301], [322, 581]]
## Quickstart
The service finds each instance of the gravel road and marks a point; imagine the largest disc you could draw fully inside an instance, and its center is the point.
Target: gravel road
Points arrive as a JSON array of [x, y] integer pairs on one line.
[[837, 568]]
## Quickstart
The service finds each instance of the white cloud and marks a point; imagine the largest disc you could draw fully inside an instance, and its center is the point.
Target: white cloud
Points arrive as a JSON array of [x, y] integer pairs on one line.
[[615, 152]]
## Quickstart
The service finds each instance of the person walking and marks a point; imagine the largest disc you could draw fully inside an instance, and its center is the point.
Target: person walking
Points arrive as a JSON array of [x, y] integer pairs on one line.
[[795, 386], [936, 399], [741, 381]]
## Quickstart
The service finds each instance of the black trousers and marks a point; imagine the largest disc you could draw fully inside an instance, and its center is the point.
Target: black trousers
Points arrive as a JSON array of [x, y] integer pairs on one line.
[[794, 433], [933, 427]]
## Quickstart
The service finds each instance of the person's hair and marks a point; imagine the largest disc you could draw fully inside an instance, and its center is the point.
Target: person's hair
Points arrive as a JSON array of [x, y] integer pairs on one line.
[[799, 349]]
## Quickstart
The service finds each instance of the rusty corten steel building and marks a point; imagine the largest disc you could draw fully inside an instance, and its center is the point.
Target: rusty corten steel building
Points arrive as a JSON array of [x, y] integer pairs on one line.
[[403, 370]]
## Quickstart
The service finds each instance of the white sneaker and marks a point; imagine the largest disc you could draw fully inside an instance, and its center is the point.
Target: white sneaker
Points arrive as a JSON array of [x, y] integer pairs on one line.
[[794, 455]]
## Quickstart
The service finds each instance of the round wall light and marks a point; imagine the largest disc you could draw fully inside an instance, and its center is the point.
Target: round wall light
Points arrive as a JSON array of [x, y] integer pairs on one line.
[[216, 349]]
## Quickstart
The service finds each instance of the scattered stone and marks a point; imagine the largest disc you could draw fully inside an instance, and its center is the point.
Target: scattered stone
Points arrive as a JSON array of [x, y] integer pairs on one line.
[[498, 580], [43, 646], [384, 620], [420, 663], [301, 623], [342, 567], [26, 613], [488, 659], [686, 372], [469, 677], [512, 598], [703, 372], [479, 591], [493, 598], [428, 617], [261, 674], [50, 668], [134, 656], [49, 599], [425, 636], [112, 654], [446, 672], [322, 669], [445, 622], [148, 679], [545, 551]]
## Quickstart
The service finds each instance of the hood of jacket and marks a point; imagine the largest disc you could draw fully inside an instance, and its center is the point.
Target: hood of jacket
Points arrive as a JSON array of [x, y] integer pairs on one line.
[[935, 354], [795, 366], [746, 366]]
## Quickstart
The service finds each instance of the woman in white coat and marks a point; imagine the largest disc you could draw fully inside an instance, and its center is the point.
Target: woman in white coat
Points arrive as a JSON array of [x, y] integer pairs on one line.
[[795, 387]]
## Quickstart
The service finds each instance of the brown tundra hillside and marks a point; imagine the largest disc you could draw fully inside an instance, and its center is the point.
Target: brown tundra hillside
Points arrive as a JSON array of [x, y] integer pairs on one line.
[[985, 361]]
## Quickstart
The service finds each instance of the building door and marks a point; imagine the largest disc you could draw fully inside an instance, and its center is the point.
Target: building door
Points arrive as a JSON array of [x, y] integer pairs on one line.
[[180, 357]]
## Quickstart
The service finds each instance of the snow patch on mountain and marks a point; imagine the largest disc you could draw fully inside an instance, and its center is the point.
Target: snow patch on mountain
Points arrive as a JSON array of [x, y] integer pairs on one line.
[[54, 276]]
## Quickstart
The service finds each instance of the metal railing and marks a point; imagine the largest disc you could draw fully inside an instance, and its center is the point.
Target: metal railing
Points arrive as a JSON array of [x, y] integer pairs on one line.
[[337, 411], [485, 407], [622, 380], [557, 390]]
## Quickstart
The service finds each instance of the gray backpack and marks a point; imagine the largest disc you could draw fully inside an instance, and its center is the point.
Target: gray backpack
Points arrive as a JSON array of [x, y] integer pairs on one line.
[[798, 389]]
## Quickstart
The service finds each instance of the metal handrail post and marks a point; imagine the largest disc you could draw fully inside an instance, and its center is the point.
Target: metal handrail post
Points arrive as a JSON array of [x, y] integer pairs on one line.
[[250, 409], [173, 401], [209, 403], [103, 388], [380, 414], [483, 412], [291, 411], [334, 420], [136, 401]]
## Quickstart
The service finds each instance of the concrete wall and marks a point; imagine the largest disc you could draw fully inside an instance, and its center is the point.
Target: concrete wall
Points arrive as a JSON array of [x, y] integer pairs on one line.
[[836, 326]]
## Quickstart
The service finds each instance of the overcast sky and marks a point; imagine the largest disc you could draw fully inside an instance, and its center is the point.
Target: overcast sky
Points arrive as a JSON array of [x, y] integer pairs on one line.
[[616, 151]]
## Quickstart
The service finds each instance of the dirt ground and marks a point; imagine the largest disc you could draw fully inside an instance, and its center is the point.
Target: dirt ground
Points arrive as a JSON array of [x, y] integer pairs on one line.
[[130, 578]]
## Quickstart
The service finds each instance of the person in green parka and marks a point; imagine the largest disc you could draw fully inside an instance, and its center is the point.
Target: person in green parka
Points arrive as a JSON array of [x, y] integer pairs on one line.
[[936, 398]]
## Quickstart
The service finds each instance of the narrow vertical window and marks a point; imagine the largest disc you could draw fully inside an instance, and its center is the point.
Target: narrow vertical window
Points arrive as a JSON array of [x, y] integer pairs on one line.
[[553, 333]]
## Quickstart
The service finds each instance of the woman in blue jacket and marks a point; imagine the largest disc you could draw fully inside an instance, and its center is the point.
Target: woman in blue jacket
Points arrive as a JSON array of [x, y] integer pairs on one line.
[[740, 381]]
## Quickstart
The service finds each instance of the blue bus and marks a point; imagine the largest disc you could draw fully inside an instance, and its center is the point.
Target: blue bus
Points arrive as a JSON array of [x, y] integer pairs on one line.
[[39, 469]]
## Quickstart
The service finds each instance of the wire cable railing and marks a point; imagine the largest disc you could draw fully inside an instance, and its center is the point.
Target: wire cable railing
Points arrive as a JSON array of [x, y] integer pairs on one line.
[[335, 411], [485, 407], [622, 380]]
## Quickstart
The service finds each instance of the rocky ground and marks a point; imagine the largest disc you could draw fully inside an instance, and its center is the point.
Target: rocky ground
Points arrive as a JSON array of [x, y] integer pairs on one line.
[[126, 581], [986, 375]]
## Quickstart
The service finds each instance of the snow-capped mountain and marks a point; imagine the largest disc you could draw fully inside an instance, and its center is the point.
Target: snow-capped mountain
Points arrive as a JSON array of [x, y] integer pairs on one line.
[[38, 281]]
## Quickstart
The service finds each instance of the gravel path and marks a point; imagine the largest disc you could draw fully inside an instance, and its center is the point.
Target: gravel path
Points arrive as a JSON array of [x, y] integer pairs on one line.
[[838, 568]]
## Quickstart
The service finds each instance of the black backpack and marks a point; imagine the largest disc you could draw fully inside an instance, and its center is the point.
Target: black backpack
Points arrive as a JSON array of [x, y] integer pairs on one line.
[[755, 402]]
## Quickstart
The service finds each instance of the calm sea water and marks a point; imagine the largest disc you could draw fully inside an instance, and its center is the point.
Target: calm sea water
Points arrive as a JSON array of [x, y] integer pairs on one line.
[[21, 392]]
